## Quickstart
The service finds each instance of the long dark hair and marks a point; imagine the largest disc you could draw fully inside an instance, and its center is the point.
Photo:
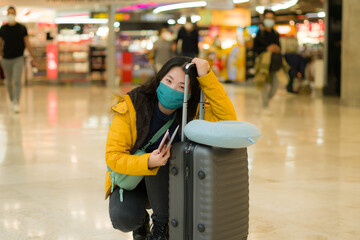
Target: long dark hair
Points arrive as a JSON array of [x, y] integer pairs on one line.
[[149, 87]]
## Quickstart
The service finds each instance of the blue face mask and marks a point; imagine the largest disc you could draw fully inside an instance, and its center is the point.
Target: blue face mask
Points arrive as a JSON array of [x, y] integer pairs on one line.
[[170, 98], [269, 22]]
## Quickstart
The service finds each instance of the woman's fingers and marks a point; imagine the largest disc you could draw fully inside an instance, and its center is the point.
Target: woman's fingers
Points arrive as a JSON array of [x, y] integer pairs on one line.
[[163, 152], [202, 66], [159, 158]]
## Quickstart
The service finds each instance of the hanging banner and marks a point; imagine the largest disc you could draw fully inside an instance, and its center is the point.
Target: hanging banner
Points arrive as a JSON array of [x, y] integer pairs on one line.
[[127, 67], [52, 61], [239, 17]]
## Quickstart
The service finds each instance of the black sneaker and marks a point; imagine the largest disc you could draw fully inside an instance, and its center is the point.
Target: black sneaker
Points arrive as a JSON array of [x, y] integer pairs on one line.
[[159, 231], [142, 232]]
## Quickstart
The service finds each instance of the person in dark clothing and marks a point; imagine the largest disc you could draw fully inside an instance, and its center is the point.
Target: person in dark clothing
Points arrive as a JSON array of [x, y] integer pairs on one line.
[[15, 38], [189, 35], [297, 64], [267, 40]]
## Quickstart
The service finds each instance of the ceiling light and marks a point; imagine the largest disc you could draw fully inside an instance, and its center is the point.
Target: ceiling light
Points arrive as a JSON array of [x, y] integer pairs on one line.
[[284, 5], [71, 20], [240, 1], [277, 6], [171, 22], [195, 18], [179, 6], [181, 20], [260, 9], [321, 14]]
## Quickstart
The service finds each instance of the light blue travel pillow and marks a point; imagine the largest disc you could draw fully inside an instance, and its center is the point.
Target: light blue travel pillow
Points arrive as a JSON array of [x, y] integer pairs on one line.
[[224, 134]]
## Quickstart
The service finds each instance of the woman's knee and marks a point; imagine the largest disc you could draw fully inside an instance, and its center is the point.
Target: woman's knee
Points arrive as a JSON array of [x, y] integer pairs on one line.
[[125, 221], [128, 215]]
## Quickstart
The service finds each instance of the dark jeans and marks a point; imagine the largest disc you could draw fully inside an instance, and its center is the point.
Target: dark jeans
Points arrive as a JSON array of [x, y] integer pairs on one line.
[[129, 215]]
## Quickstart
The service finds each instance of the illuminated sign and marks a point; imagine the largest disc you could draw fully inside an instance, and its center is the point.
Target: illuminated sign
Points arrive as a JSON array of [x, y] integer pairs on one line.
[[286, 29], [238, 17], [127, 67], [312, 33], [311, 27], [52, 61], [138, 6], [118, 16]]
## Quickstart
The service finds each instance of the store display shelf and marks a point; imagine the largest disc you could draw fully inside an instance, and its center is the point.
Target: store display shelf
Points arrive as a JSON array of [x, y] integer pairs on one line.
[[73, 72], [39, 79], [40, 73], [73, 61], [74, 80], [71, 51]]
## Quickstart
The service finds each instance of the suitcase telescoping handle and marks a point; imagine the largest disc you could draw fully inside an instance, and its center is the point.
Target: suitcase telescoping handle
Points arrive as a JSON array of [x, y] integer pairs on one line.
[[185, 103]]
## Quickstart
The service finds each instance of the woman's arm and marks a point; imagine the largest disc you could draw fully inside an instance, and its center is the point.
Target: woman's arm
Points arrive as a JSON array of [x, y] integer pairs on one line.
[[218, 106], [118, 147]]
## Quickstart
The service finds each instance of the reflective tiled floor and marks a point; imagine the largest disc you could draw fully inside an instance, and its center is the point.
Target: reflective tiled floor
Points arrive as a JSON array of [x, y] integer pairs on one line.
[[304, 173]]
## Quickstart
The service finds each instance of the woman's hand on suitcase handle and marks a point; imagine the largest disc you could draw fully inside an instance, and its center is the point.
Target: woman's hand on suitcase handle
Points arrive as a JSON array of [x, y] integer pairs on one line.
[[202, 66], [158, 158]]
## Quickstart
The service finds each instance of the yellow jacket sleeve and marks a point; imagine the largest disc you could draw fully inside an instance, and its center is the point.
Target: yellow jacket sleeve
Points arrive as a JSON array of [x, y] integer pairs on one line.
[[218, 106], [119, 144]]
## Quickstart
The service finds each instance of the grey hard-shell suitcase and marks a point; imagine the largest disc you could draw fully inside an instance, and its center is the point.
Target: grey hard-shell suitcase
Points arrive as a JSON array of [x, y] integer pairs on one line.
[[208, 190]]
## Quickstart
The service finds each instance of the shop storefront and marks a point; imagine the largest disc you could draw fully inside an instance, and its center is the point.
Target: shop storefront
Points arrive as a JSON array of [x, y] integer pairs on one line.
[[71, 46], [224, 43]]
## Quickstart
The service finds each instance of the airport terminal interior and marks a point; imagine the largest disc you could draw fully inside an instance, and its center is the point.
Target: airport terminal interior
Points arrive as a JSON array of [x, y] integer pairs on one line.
[[304, 173]]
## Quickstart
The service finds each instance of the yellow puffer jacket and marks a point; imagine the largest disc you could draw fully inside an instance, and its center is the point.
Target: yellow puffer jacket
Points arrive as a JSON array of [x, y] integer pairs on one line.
[[123, 132]]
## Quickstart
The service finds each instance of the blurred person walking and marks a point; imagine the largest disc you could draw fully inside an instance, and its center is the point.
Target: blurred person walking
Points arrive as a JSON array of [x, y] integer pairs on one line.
[[297, 71], [164, 49], [270, 67], [13, 41], [189, 37]]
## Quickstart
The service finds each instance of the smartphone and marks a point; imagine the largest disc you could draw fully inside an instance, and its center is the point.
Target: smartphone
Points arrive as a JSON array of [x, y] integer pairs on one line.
[[164, 140], [172, 138]]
